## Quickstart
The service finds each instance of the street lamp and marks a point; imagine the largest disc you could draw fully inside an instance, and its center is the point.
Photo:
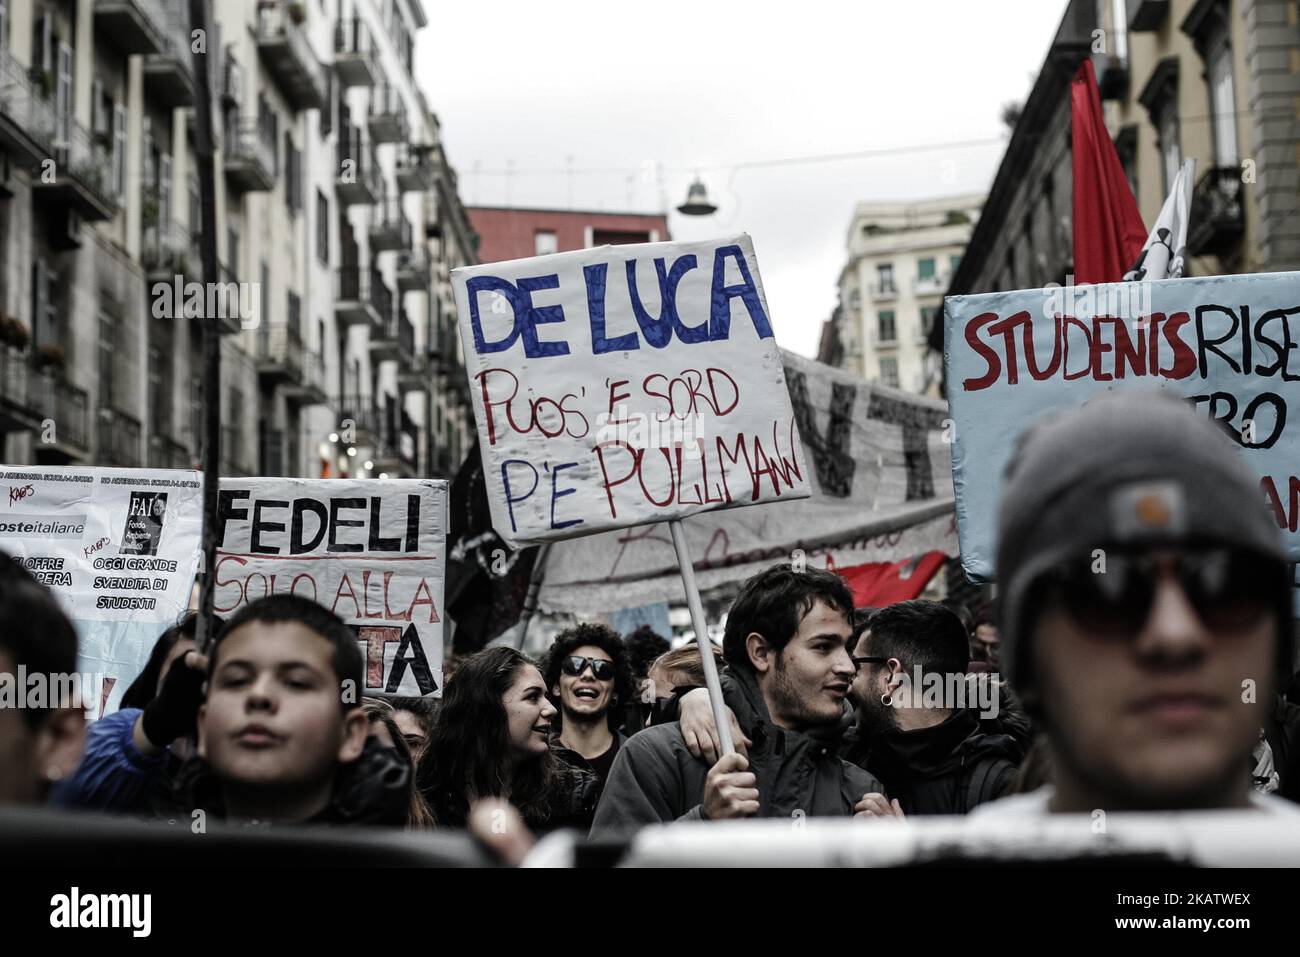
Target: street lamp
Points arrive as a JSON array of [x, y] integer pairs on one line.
[[697, 201]]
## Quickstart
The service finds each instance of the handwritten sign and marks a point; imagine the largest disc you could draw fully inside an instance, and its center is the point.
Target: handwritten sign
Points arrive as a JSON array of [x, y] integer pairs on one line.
[[371, 551], [118, 548], [626, 385], [1229, 345]]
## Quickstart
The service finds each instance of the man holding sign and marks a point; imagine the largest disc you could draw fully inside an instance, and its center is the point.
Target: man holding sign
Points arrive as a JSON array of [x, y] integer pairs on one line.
[[787, 652]]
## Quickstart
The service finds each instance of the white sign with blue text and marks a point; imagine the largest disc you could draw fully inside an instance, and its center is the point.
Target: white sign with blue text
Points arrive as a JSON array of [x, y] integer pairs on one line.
[[626, 385]]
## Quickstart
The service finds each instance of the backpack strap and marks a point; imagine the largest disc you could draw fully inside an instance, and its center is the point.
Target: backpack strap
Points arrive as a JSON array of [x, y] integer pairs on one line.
[[981, 779]]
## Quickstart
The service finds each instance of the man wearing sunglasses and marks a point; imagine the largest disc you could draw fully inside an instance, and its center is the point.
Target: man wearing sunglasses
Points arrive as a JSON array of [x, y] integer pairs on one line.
[[1145, 608], [590, 678]]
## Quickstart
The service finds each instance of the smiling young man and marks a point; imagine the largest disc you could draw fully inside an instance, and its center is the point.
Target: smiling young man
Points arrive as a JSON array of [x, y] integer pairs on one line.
[[1145, 609], [590, 679], [282, 718], [789, 672]]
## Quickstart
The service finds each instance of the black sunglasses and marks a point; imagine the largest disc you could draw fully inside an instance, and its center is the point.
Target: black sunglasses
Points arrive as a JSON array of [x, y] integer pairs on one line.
[[1230, 589], [575, 665], [868, 660]]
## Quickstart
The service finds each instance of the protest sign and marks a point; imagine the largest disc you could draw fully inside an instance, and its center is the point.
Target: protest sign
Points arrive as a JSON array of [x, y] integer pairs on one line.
[[371, 551], [881, 478], [117, 547], [1227, 344], [624, 386]]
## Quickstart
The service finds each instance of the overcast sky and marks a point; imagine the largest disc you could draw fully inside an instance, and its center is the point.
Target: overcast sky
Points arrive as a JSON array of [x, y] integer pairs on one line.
[[609, 90]]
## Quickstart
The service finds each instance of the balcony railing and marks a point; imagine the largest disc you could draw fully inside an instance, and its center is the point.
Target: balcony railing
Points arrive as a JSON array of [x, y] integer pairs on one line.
[[132, 26], [884, 291], [929, 285], [359, 180], [413, 270], [289, 57], [310, 387], [26, 118], [1217, 221], [81, 171], [414, 168], [167, 453], [166, 251], [389, 228], [167, 74], [54, 398], [364, 415], [279, 353], [249, 157], [16, 411], [355, 63], [360, 297], [119, 437], [388, 115]]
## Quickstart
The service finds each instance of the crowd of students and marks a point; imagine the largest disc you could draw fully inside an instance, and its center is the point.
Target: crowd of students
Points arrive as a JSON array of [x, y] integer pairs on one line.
[[1140, 657]]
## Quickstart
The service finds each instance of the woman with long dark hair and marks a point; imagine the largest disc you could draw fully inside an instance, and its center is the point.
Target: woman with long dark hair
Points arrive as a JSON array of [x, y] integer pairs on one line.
[[492, 740]]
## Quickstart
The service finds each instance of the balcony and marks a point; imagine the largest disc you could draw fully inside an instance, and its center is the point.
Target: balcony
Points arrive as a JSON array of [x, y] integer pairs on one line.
[[166, 252], [167, 453], [384, 346], [81, 173], [26, 119], [279, 354], [309, 389], [248, 158], [1216, 220], [415, 172], [358, 181], [167, 74], [414, 271], [118, 438], [930, 285], [883, 291], [17, 411], [132, 26], [1146, 16], [389, 228], [52, 397], [355, 63], [289, 58], [1112, 80], [388, 116], [414, 373], [234, 458], [432, 224], [361, 298], [363, 414]]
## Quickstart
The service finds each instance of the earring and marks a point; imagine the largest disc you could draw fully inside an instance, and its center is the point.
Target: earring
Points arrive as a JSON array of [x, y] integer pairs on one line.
[[53, 774], [886, 700]]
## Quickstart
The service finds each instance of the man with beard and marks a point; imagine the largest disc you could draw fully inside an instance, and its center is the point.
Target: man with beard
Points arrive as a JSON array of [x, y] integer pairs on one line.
[[933, 756], [590, 680], [789, 672]]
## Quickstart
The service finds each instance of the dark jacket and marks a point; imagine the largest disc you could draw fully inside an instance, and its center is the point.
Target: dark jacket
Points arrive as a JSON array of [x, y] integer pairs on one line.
[[655, 779], [947, 769], [1282, 730]]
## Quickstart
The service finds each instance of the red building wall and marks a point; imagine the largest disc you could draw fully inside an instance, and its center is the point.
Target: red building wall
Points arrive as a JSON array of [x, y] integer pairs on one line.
[[512, 233]]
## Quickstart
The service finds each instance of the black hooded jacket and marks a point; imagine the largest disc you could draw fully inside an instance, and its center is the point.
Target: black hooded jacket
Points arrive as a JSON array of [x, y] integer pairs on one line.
[[945, 769]]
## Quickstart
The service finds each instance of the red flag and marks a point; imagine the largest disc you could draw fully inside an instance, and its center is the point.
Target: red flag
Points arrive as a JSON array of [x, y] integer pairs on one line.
[[1108, 230], [877, 584]]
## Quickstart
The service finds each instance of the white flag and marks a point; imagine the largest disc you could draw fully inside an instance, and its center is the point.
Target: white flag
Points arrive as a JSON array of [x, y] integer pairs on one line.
[[1165, 250]]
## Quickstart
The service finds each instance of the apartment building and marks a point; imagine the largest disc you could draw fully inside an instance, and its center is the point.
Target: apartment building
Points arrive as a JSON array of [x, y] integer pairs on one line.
[[516, 233], [330, 188], [900, 258]]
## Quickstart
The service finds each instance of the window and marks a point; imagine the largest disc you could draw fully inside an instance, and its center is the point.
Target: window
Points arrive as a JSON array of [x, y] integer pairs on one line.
[[107, 354], [953, 262], [886, 328], [885, 271], [292, 175], [545, 243], [929, 316], [118, 162], [322, 228], [925, 269], [889, 371], [63, 95], [1170, 152], [327, 114], [232, 251], [1223, 104]]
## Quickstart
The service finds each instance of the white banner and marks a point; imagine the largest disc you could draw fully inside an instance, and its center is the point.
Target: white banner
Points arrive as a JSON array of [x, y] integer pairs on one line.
[[372, 551], [880, 467], [117, 547], [626, 386]]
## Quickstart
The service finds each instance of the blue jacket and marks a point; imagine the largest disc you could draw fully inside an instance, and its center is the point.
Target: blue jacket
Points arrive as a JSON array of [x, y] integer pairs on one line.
[[113, 775]]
